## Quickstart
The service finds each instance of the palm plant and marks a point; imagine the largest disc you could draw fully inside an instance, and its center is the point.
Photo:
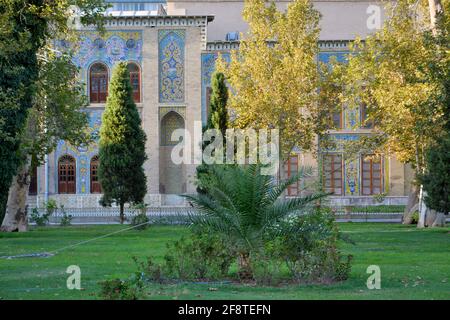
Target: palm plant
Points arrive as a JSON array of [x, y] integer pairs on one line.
[[241, 204]]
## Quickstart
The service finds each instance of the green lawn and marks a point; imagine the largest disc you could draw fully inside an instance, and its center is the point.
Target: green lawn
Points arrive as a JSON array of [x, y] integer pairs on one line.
[[415, 264]]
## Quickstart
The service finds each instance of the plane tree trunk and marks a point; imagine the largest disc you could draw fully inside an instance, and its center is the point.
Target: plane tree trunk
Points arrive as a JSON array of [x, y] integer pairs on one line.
[[16, 216], [411, 206]]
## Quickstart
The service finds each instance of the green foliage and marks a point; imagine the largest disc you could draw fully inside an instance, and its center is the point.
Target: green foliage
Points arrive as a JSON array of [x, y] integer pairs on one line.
[[307, 244], [400, 73], [66, 219], [436, 178], [218, 117], [117, 289], [122, 145], [140, 220], [202, 255], [380, 197], [43, 220], [241, 204], [149, 269], [415, 217], [27, 27], [279, 48]]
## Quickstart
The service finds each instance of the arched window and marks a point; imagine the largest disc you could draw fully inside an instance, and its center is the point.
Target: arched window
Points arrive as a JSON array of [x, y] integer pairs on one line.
[[169, 123], [95, 183], [98, 78], [135, 79], [66, 174]]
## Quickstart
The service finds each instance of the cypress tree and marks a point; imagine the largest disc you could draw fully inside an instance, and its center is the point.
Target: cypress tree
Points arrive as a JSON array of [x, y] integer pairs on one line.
[[218, 117], [122, 145]]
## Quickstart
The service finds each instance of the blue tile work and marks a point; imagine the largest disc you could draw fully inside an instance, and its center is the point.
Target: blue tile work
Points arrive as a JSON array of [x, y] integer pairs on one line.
[[208, 67], [325, 56], [109, 48], [82, 154], [350, 117], [171, 65]]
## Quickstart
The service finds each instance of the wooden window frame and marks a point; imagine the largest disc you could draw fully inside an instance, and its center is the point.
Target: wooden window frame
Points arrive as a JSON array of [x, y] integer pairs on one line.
[[137, 96], [371, 187], [332, 169], [64, 187], [98, 97], [95, 185]]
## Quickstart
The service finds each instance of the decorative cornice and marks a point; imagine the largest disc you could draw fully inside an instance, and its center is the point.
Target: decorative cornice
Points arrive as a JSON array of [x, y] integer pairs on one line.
[[334, 44], [159, 21], [323, 45]]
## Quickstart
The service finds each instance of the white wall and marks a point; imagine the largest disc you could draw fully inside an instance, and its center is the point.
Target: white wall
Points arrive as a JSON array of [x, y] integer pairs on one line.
[[341, 20]]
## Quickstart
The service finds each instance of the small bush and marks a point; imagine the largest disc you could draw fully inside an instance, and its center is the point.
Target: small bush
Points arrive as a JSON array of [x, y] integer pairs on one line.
[[308, 246], [415, 217], [66, 219], [149, 269], [117, 289], [43, 220], [140, 220], [199, 256]]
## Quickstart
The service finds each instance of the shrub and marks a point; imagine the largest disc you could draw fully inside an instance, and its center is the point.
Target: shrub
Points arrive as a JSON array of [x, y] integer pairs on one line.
[[149, 269], [66, 219], [199, 256], [240, 203], [117, 289], [43, 220], [308, 246], [140, 220]]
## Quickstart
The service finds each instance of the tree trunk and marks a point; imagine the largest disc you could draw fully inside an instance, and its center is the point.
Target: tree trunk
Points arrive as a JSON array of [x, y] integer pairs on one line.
[[440, 220], [422, 209], [122, 216], [16, 218], [435, 7], [429, 217], [245, 271], [411, 206]]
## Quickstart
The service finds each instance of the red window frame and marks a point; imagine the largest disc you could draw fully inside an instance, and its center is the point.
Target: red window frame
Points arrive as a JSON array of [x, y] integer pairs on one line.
[[67, 176], [135, 80], [98, 83], [95, 183]]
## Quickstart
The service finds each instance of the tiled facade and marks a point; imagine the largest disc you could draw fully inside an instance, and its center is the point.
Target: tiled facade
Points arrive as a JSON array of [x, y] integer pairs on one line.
[[176, 60]]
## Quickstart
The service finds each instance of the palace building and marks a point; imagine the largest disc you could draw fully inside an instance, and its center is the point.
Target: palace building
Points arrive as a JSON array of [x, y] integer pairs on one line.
[[171, 48]]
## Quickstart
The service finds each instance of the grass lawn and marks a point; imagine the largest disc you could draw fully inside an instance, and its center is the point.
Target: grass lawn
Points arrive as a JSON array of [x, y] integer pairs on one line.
[[415, 264]]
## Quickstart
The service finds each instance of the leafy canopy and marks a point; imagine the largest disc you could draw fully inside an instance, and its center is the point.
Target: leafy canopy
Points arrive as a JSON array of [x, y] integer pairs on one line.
[[274, 75]]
